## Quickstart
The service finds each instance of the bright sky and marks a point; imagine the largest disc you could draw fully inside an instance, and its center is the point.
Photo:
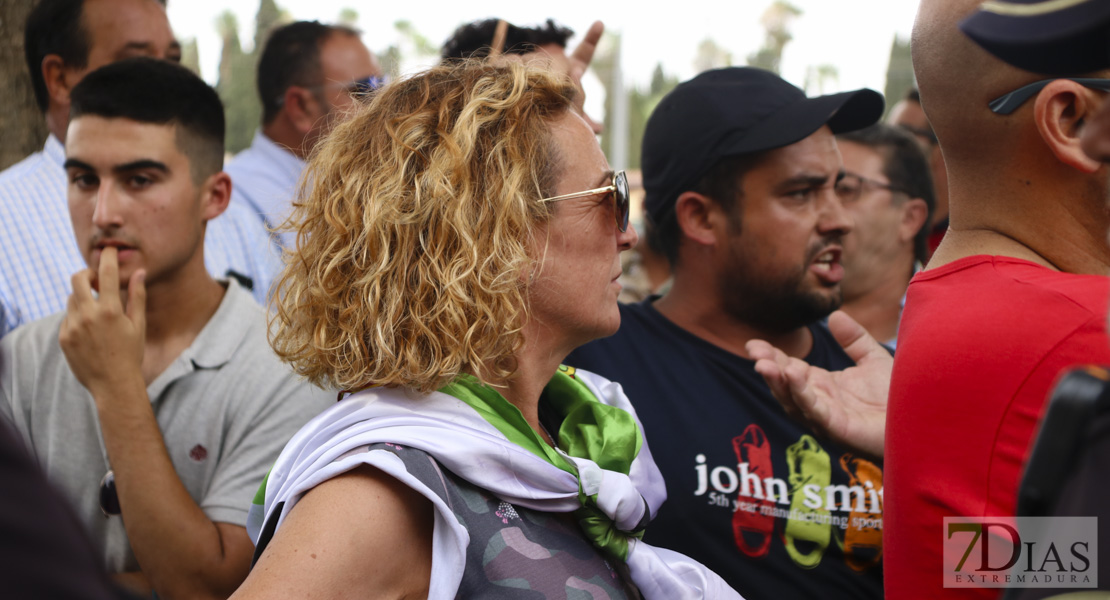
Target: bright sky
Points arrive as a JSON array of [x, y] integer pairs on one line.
[[854, 37]]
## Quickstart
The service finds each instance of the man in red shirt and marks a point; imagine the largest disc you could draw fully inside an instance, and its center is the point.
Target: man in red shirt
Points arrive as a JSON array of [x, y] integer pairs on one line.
[[1014, 295]]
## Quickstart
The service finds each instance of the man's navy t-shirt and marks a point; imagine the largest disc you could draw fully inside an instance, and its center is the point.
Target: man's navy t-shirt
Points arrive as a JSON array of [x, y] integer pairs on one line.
[[751, 493]]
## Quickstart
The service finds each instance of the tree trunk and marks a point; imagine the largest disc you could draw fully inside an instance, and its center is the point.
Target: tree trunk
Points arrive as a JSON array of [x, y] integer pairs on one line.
[[22, 126]]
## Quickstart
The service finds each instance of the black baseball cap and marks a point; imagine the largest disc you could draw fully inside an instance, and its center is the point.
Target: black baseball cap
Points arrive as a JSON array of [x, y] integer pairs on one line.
[[732, 111], [1053, 37]]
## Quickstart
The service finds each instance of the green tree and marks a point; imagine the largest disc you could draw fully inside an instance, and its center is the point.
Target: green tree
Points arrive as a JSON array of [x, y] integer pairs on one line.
[[236, 86], [659, 80], [238, 72], [711, 56], [604, 67], [776, 26], [190, 57], [641, 102], [419, 42], [899, 74], [390, 60], [412, 45], [22, 128], [348, 17], [266, 19], [817, 77], [228, 28]]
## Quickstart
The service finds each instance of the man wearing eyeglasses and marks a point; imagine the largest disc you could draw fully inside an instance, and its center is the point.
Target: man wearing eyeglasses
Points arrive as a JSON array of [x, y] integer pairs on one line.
[[888, 191], [309, 76], [1015, 295], [907, 114], [740, 173]]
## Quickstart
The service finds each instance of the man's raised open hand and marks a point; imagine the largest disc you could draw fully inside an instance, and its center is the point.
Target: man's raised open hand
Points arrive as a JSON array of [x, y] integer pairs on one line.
[[849, 406]]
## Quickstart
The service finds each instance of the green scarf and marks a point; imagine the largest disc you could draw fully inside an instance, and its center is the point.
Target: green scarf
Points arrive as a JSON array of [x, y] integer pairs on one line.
[[604, 434]]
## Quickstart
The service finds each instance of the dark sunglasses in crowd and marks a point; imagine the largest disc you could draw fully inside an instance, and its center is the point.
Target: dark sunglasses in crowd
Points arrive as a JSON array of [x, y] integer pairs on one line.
[[619, 189], [357, 88], [365, 85], [1008, 103]]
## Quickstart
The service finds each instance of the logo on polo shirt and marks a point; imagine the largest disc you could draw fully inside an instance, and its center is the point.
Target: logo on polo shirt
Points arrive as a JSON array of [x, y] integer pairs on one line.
[[198, 453]]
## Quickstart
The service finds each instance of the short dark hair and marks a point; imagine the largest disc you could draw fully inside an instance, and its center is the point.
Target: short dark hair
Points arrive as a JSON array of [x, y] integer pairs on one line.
[[723, 183], [913, 95], [907, 168], [54, 27], [473, 39], [148, 90], [292, 57]]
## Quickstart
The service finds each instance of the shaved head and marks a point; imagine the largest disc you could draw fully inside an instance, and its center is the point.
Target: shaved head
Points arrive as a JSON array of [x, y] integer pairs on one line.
[[957, 80], [1022, 176]]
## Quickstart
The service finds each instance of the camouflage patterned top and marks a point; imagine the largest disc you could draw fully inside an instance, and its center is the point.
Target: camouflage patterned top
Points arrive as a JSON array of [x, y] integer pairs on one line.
[[516, 553]]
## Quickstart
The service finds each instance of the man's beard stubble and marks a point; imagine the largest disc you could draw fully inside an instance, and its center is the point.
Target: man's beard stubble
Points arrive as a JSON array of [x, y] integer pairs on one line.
[[776, 304]]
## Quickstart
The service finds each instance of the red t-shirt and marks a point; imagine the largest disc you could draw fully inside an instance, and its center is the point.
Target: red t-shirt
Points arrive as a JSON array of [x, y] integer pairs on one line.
[[981, 343]]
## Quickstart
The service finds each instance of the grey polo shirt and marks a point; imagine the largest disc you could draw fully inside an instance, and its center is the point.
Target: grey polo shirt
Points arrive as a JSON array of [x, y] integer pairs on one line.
[[226, 407]]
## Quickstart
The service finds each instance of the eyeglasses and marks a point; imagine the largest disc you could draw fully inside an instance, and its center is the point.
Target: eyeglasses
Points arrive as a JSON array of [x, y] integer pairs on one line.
[[363, 86], [358, 87], [1008, 103], [619, 188], [109, 500], [850, 187]]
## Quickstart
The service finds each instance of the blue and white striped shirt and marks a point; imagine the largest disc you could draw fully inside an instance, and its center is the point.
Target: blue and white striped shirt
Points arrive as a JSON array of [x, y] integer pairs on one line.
[[266, 176], [39, 254]]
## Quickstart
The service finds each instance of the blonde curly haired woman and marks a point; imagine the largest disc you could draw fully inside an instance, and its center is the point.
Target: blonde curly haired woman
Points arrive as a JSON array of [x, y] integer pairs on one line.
[[461, 237]]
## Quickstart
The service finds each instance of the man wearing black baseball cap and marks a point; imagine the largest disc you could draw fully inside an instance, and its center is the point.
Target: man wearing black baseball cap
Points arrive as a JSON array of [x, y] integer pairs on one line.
[[740, 171], [1014, 296]]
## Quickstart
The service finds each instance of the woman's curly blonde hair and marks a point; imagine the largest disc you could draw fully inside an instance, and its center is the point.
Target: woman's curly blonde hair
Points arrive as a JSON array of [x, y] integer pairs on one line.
[[413, 230]]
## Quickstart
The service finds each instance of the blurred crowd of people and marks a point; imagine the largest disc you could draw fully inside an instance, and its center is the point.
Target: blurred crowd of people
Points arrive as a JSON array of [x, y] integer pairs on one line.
[[380, 352]]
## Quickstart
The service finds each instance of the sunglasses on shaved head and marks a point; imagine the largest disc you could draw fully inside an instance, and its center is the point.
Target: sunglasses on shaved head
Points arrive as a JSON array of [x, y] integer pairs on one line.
[[1008, 103]]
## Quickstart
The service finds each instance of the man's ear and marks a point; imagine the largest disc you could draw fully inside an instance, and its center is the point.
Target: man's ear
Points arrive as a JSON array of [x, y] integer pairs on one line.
[[215, 195], [54, 73], [302, 108], [700, 218], [1059, 112], [914, 214]]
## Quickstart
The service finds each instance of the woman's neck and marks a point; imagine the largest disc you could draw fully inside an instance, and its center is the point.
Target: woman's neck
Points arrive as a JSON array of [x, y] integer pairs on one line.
[[537, 363]]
